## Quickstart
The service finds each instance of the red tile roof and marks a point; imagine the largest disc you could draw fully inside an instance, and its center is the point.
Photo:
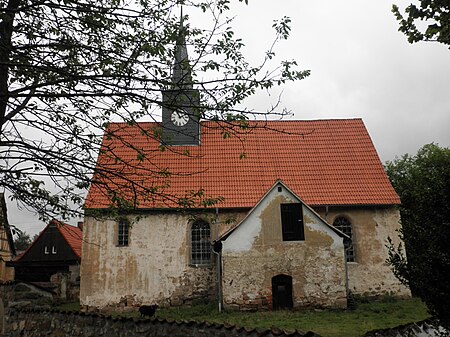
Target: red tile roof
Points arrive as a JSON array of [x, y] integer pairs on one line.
[[73, 236], [325, 162]]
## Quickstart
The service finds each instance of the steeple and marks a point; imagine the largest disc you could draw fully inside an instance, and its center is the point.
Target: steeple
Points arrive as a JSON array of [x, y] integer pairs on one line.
[[181, 102], [181, 72]]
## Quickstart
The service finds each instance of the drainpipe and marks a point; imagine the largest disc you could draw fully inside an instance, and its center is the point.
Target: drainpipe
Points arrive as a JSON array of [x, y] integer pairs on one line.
[[218, 264], [351, 305], [347, 290]]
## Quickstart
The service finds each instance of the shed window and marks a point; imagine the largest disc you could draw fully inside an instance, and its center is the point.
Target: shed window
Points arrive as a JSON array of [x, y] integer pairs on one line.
[[292, 222], [200, 243], [344, 225], [123, 232]]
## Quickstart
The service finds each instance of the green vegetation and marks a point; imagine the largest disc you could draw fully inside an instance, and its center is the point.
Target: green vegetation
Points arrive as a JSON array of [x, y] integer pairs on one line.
[[427, 20], [423, 184], [327, 323]]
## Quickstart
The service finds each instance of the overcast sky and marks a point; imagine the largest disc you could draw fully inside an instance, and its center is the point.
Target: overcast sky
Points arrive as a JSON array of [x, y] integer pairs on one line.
[[361, 67]]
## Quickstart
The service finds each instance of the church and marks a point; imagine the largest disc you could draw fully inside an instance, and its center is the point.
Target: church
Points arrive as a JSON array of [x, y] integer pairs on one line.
[[276, 215]]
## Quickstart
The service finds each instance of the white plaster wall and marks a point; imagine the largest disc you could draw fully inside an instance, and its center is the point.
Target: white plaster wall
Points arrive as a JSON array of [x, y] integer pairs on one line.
[[255, 252], [370, 275], [153, 268], [149, 270]]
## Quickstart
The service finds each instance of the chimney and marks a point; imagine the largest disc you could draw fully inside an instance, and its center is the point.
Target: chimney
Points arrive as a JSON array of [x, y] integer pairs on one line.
[[80, 225]]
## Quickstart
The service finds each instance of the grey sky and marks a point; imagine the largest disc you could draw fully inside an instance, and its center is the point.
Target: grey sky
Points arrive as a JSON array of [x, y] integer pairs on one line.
[[361, 67]]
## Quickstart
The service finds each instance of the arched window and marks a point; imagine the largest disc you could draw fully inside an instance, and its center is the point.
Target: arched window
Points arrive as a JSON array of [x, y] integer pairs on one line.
[[200, 243], [123, 232], [344, 225]]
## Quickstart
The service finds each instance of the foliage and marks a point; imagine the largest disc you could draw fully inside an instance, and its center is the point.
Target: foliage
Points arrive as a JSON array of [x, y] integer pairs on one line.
[[436, 12], [423, 184], [22, 240], [68, 68], [368, 316]]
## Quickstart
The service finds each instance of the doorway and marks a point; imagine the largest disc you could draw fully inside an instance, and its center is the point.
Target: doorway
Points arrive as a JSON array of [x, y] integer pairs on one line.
[[282, 292]]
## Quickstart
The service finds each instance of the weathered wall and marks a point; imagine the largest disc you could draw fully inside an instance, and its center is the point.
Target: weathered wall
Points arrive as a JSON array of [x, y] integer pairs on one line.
[[255, 252], [153, 268], [38, 323], [370, 275]]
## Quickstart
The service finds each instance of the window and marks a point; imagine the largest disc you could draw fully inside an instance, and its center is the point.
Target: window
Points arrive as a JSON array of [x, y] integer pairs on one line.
[[344, 225], [53, 250], [292, 222], [124, 226], [46, 250], [200, 243]]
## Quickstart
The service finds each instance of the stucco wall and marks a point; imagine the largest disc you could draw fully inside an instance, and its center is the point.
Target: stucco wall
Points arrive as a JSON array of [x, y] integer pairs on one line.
[[153, 268], [369, 275], [255, 252]]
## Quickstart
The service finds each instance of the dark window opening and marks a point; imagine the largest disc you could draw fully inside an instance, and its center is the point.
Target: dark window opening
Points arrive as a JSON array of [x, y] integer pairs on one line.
[[344, 225], [292, 222], [200, 243], [124, 228]]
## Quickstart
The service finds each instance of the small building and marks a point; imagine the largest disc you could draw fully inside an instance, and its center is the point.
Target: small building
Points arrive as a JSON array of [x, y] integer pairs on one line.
[[57, 249], [283, 255], [7, 250]]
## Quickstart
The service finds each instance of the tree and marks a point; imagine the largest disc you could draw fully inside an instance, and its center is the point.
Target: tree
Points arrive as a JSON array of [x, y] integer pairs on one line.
[[69, 67], [22, 240], [437, 13], [423, 184]]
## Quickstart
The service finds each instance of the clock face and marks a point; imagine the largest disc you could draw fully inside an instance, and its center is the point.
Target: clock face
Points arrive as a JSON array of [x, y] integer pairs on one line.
[[179, 118]]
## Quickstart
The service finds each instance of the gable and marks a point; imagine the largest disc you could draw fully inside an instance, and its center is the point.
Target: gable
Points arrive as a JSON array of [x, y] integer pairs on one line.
[[56, 242], [325, 162], [264, 224]]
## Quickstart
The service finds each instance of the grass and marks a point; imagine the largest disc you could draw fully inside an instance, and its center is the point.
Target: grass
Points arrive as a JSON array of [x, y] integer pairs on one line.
[[327, 323]]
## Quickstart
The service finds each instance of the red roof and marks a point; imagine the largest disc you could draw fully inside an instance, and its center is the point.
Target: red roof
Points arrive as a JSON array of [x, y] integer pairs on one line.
[[324, 162], [73, 236]]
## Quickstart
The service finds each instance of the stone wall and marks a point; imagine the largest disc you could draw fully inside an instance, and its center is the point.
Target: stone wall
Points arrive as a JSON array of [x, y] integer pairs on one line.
[[370, 275], [38, 323], [15, 293], [154, 267], [20, 294], [255, 253]]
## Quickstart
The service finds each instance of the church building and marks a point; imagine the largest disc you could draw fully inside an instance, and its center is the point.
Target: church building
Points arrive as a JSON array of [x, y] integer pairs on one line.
[[282, 214]]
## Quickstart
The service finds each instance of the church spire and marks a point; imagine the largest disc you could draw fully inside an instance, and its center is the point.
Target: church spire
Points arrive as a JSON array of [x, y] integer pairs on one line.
[[181, 102], [181, 72]]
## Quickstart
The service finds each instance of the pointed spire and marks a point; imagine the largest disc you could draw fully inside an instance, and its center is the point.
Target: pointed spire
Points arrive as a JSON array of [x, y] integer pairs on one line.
[[181, 72]]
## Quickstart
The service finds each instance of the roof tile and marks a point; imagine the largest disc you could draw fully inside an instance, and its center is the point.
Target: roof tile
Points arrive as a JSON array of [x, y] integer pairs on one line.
[[325, 162]]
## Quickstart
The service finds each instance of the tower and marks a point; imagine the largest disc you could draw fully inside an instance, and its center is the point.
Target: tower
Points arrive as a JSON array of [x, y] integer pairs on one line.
[[180, 112]]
